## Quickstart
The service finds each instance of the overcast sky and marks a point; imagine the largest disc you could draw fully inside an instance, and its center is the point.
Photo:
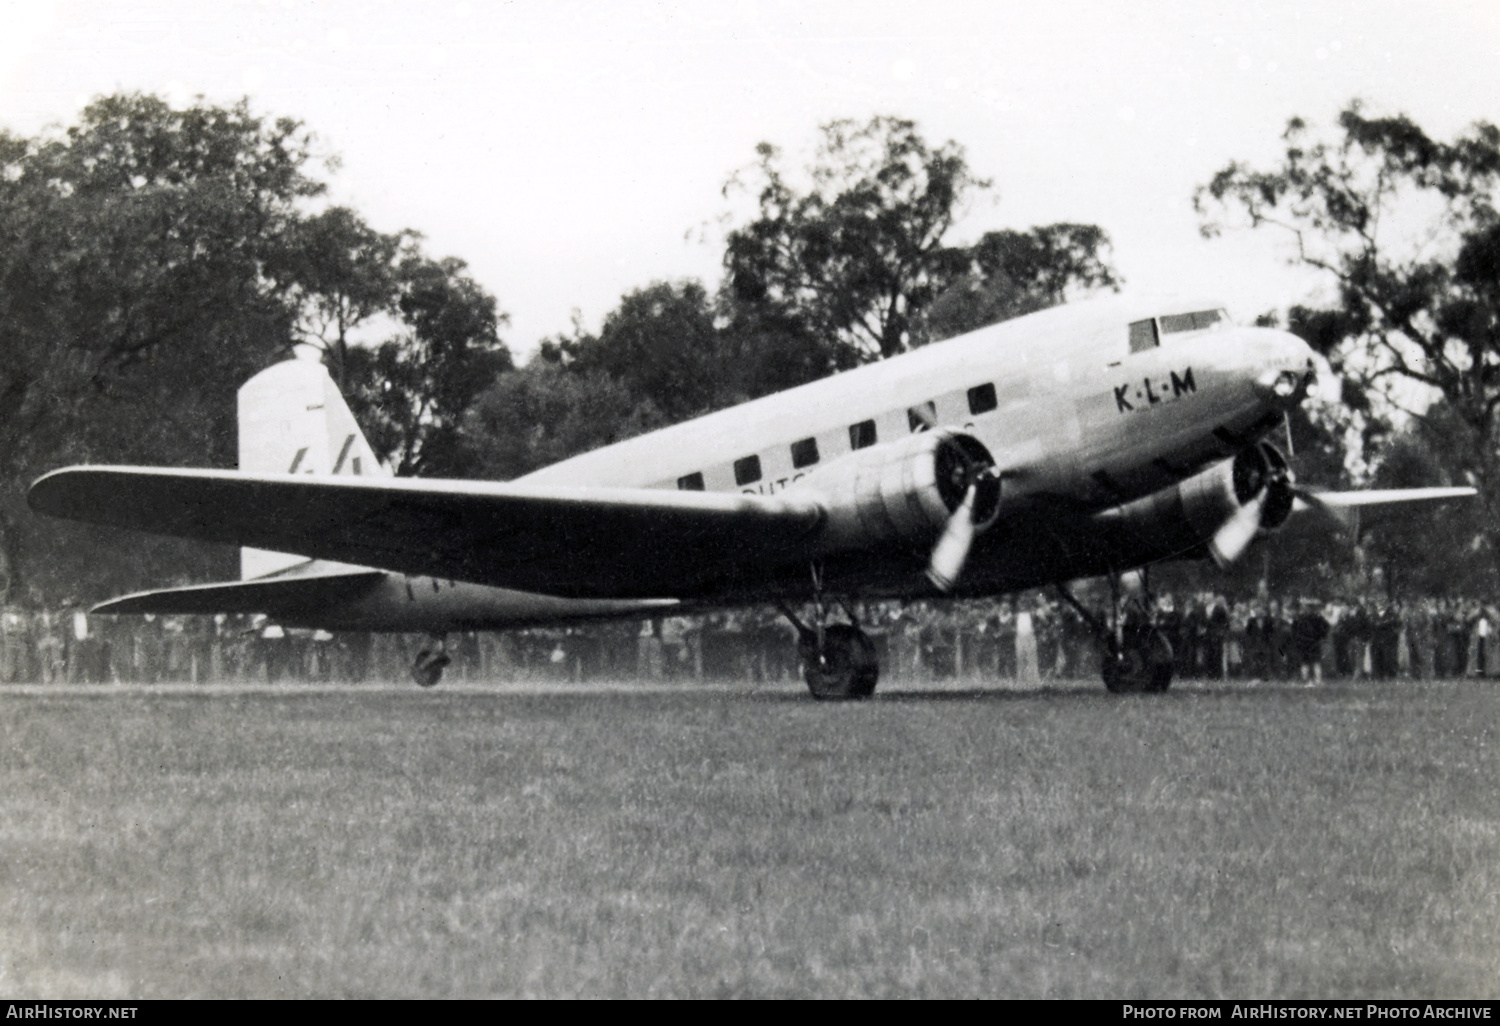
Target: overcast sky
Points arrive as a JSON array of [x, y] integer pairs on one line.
[[571, 151]]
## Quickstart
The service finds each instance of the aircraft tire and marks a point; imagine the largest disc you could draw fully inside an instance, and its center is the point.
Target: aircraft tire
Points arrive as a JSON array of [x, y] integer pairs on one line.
[[849, 669], [428, 668], [1142, 666]]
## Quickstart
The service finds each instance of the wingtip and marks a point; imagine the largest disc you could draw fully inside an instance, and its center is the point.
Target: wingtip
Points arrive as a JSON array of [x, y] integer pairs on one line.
[[44, 492]]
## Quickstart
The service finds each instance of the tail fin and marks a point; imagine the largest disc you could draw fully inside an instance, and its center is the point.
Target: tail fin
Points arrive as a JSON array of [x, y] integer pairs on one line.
[[292, 420]]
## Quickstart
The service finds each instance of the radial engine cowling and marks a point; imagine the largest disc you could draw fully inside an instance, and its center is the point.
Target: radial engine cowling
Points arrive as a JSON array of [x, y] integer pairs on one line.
[[1225, 506], [904, 491]]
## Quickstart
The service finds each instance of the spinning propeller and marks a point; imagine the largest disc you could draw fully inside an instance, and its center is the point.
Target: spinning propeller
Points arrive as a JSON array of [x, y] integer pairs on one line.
[[1268, 494], [974, 477]]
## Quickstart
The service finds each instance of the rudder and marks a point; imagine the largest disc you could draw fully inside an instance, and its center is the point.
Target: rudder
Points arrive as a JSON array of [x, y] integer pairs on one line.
[[292, 420]]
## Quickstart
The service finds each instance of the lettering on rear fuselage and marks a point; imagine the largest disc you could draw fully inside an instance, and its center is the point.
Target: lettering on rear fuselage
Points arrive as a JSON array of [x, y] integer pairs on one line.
[[1137, 395], [772, 487]]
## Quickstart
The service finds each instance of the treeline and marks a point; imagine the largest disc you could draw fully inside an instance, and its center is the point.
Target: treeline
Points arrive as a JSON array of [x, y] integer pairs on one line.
[[152, 259]]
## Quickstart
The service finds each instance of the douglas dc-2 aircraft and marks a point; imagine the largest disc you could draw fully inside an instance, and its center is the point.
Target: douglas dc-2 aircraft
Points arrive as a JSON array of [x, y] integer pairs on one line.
[[1084, 440]]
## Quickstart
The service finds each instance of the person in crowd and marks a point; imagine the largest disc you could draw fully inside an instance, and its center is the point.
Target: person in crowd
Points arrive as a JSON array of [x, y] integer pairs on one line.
[[1385, 639], [1480, 642], [1028, 668], [1005, 639], [1169, 622], [1358, 629], [1456, 631], [1284, 661], [1255, 650], [1216, 638], [1307, 633], [1192, 633]]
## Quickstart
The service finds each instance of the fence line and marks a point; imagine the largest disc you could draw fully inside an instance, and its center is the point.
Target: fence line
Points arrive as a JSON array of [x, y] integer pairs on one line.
[[1028, 638]]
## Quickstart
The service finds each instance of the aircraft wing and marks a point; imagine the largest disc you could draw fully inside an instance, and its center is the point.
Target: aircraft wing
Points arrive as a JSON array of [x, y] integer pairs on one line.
[[1348, 508], [571, 542]]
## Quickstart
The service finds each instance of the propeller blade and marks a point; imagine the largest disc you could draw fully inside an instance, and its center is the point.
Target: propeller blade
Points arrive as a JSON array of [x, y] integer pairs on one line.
[[1230, 541], [952, 548]]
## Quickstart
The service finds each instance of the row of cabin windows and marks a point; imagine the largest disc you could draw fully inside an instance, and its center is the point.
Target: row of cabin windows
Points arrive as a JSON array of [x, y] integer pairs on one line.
[[982, 399], [1144, 335]]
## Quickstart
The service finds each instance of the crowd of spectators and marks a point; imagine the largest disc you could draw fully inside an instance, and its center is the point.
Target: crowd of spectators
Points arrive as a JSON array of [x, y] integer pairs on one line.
[[1029, 637]]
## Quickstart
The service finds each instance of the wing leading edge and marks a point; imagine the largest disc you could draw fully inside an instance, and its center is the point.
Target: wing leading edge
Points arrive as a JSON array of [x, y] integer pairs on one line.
[[570, 542]]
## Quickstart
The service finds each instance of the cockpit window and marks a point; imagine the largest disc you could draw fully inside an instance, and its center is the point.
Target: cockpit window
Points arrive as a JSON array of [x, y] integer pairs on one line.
[[1196, 321], [1143, 336]]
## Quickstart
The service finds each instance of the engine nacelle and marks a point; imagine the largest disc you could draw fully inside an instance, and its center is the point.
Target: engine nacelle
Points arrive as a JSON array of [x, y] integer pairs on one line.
[[903, 491], [1191, 511]]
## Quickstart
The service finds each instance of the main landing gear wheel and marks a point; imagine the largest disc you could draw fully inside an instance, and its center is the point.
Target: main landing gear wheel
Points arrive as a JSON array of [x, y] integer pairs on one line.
[[1140, 665], [848, 667], [427, 670]]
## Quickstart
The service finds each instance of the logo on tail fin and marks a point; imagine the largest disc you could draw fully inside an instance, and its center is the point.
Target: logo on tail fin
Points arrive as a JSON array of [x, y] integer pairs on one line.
[[292, 420]]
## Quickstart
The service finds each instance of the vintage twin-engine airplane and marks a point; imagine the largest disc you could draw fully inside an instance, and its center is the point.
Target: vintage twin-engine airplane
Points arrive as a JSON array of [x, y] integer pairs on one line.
[[1083, 440]]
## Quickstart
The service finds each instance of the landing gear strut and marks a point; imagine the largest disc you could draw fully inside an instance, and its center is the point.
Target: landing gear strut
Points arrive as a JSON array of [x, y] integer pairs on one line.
[[838, 660], [427, 670], [1137, 656]]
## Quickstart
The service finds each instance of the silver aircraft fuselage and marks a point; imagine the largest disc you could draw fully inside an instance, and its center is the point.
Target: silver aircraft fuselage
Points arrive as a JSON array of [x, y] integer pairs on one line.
[[1087, 409]]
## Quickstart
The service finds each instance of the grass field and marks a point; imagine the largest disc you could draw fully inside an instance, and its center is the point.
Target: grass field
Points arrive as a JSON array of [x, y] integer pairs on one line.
[[1210, 842]]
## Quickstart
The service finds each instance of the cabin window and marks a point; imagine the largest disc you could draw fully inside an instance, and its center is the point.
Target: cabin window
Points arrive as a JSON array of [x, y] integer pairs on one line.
[[982, 399], [691, 483], [922, 417], [862, 435], [1197, 321], [1143, 336], [747, 470], [804, 453]]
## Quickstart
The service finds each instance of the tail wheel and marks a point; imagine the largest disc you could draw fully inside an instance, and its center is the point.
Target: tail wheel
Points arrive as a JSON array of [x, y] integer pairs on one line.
[[849, 667], [428, 668]]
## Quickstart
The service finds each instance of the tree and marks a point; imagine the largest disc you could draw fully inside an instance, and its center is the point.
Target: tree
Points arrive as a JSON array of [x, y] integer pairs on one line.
[[341, 273], [137, 290], [859, 255], [410, 393], [661, 344], [151, 260], [765, 350], [1425, 551], [1405, 227], [546, 412], [859, 260], [1011, 273]]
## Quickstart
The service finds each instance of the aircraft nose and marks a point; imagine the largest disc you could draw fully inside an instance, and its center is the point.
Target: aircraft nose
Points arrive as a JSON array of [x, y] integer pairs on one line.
[[1288, 368]]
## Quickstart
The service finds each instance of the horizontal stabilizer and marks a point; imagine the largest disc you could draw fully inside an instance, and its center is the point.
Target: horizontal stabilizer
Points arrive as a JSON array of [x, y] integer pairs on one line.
[[570, 542], [280, 596]]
